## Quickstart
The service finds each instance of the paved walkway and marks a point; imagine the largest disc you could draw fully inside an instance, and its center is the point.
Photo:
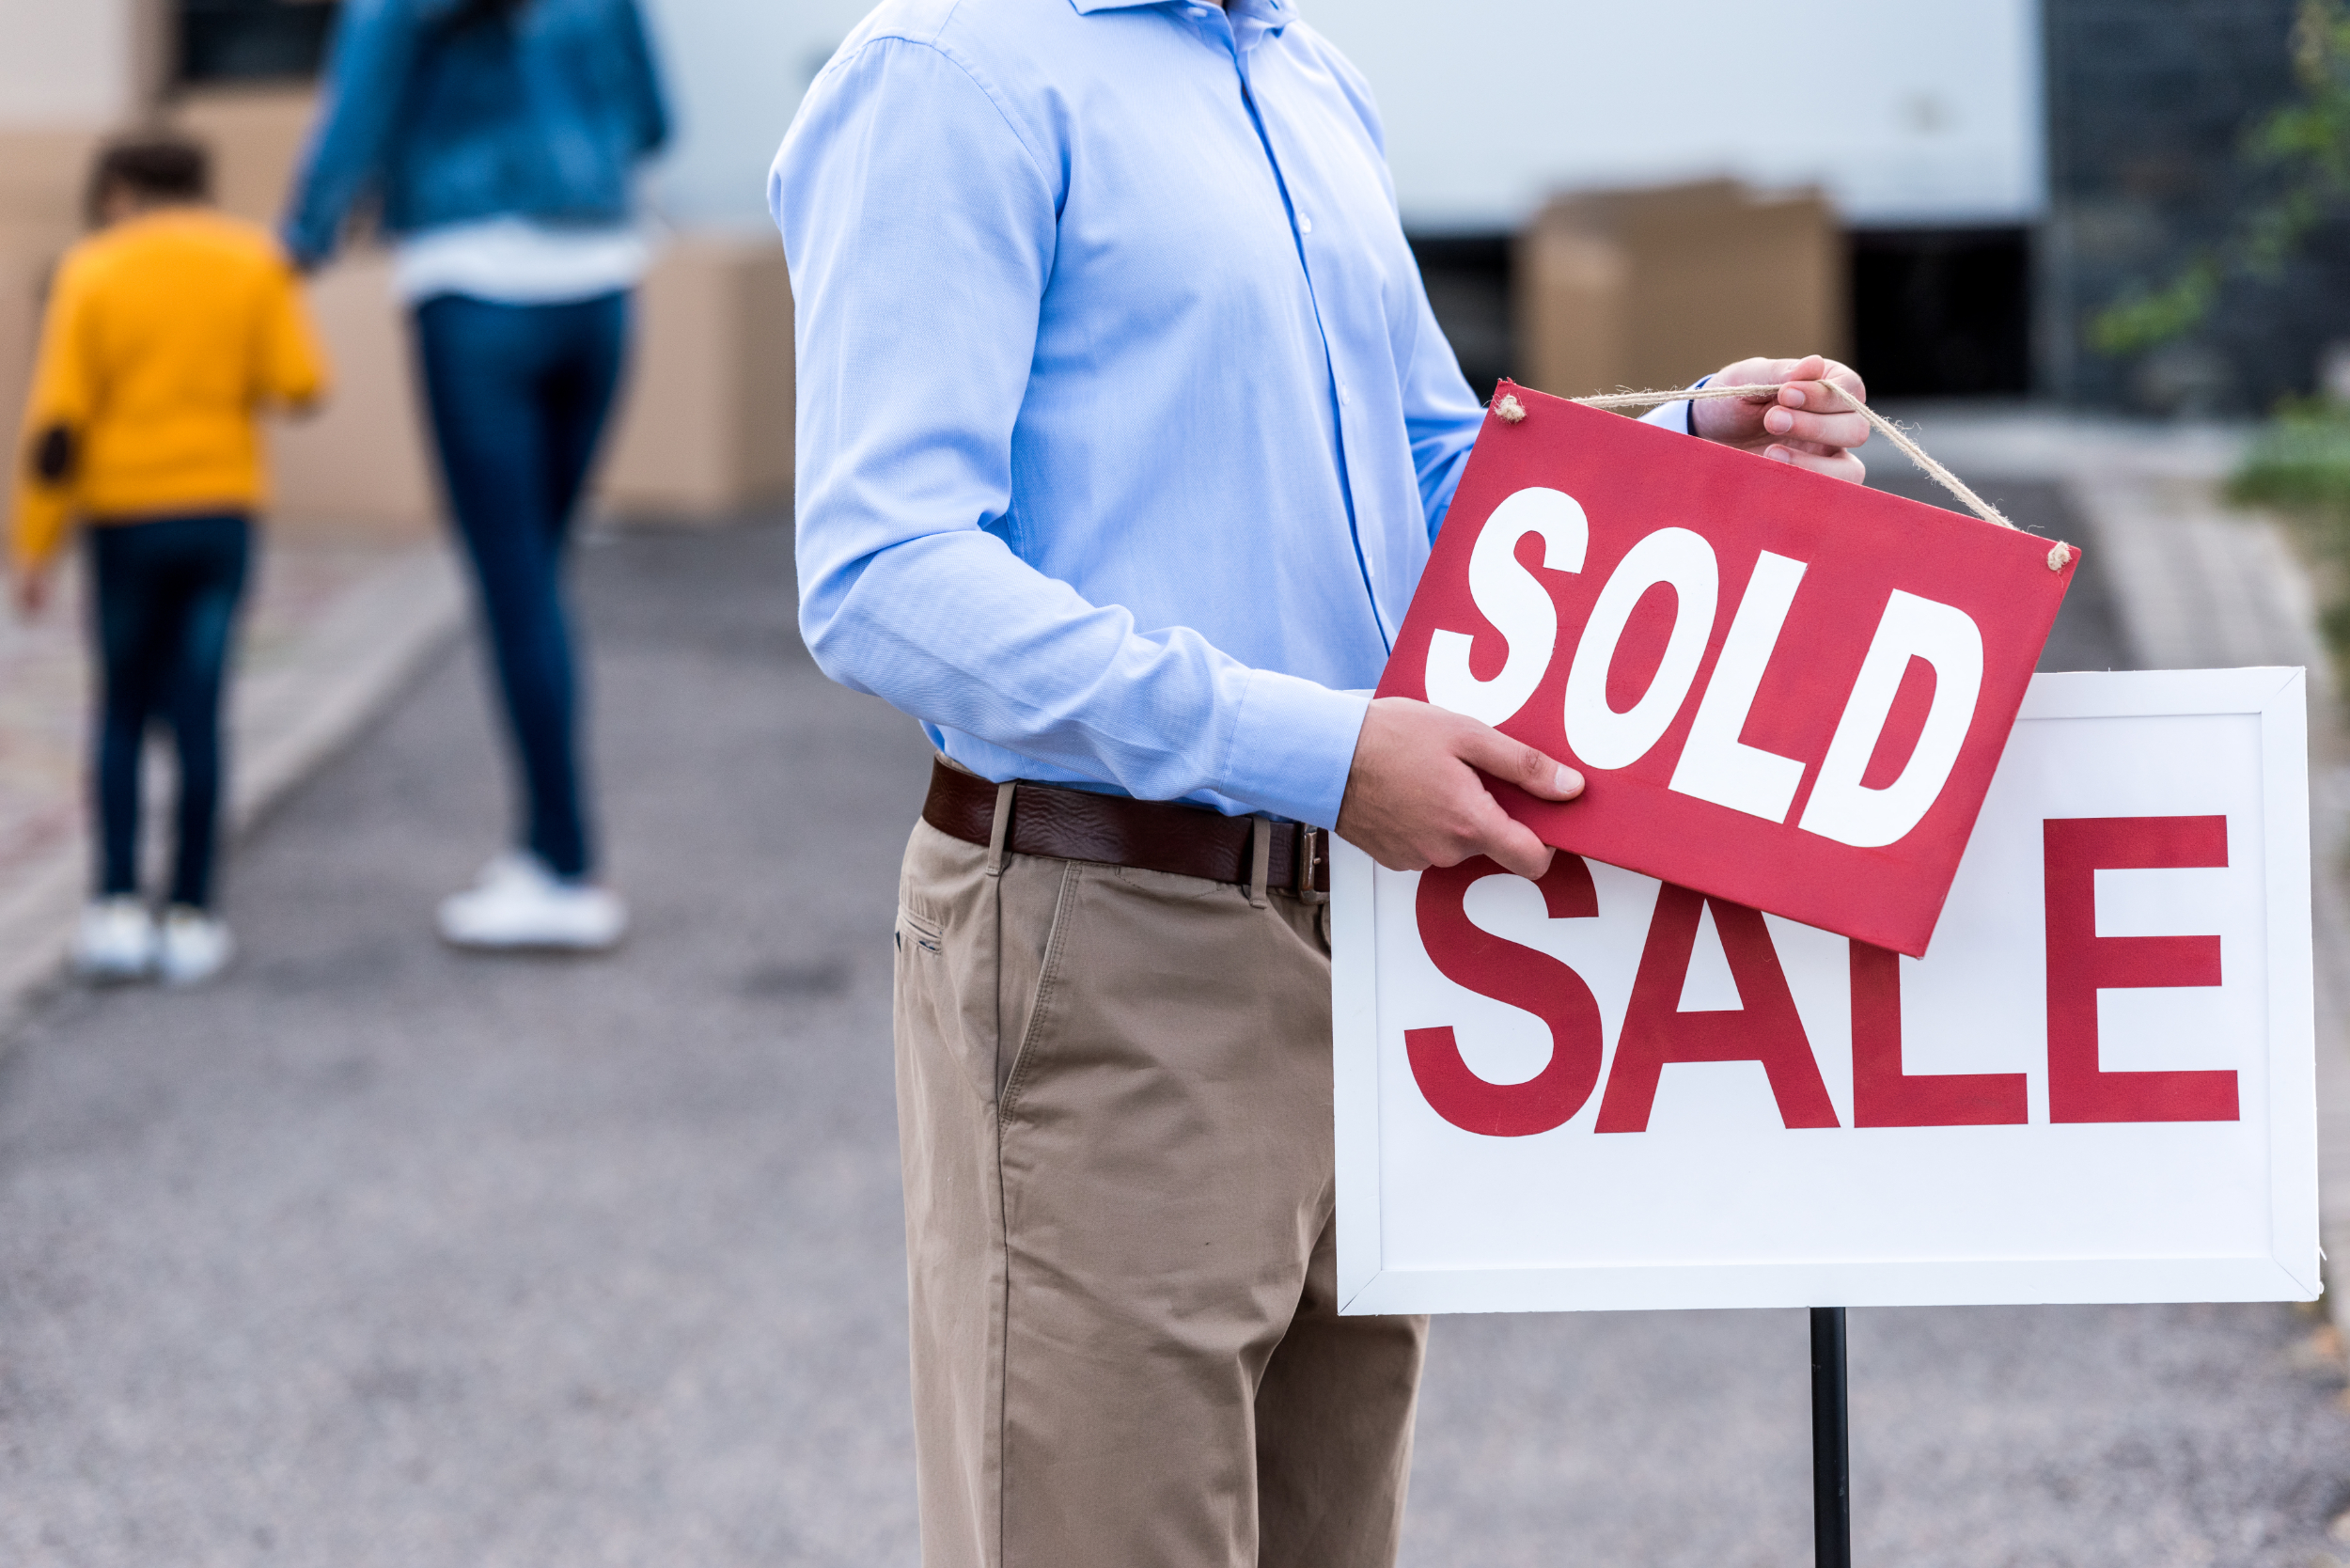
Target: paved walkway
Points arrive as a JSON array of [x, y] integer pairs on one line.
[[375, 1254]]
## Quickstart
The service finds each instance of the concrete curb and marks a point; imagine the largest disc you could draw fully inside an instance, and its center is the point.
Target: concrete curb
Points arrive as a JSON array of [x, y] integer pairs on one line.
[[285, 720]]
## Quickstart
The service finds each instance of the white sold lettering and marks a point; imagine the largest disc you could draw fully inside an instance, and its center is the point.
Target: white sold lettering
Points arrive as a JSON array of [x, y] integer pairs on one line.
[[1841, 807], [1518, 606], [1715, 764], [1601, 736]]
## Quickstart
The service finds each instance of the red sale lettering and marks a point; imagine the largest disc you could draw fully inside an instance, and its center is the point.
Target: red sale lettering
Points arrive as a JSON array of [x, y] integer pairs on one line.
[[2081, 964], [1842, 807], [1514, 601], [1656, 1032], [1525, 979], [1716, 764], [1884, 1096]]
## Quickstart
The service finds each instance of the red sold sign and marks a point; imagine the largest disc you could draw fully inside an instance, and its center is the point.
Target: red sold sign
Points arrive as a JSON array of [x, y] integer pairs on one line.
[[1783, 690]]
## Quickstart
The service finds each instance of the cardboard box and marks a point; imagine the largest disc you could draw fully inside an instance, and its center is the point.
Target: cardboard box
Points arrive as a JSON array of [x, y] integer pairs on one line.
[[1656, 287]]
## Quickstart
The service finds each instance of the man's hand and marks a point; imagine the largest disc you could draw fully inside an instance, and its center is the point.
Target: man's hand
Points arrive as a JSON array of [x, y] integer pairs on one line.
[[1413, 799], [30, 591], [1799, 426]]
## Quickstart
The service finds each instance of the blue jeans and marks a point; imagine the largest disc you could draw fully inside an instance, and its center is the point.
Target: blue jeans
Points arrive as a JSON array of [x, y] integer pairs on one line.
[[164, 602], [517, 395]]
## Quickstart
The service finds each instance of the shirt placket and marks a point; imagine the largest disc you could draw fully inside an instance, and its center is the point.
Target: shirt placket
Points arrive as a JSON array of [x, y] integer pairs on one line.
[[1301, 229]]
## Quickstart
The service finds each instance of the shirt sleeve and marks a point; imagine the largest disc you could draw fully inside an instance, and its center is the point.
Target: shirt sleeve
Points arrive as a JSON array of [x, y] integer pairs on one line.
[[920, 226], [375, 43], [1440, 413], [57, 419], [650, 106], [291, 364], [1673, 416]]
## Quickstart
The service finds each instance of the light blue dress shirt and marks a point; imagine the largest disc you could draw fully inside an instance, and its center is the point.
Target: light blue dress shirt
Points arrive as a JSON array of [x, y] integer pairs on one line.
[[1124, 425]]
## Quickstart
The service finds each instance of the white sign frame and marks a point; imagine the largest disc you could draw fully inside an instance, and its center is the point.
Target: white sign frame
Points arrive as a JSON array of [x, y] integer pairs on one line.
[[2288, 1271]]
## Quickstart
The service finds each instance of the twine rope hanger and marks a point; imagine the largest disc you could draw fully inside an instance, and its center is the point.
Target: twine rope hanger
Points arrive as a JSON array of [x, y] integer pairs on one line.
[[1512, 412]]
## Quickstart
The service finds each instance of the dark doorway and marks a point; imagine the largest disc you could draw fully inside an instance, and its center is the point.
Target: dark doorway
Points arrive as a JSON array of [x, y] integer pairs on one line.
[[253, 41], [1468, 277], [1942, 312]]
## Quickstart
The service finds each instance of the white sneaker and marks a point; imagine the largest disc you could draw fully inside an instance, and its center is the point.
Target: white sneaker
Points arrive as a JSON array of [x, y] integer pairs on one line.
[[195, 947], [117, 939], [518, 903]]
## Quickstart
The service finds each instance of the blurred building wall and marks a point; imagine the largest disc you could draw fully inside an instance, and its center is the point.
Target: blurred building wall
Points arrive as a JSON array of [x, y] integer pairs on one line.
[[2148, 105], [1492, 107], [1902, 112], [705, 428], [1920, 125], [736, 71], [80, 63]]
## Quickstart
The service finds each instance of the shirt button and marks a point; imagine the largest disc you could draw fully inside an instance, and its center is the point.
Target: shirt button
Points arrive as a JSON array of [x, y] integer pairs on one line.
[[1304, 223]]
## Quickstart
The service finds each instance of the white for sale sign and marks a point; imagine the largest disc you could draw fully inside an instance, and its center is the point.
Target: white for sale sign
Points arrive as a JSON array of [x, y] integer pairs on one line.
[[1600, 1091]]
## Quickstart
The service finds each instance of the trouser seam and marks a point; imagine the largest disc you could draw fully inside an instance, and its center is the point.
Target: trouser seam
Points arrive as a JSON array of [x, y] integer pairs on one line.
[[1002, 1334], [1048, 978], [1047, 974]]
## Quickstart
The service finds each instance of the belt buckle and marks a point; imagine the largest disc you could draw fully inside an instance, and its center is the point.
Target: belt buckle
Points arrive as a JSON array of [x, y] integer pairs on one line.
[[1313, 851]]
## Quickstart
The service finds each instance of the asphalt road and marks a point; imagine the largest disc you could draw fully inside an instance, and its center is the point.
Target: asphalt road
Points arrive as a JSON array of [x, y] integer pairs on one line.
[[377, 1254]]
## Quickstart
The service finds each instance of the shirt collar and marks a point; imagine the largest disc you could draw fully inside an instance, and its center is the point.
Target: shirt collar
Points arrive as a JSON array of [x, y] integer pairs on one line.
[[1272, 14]]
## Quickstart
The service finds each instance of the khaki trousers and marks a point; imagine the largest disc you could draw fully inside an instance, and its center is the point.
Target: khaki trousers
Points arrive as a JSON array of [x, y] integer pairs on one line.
[[1114, 1111]]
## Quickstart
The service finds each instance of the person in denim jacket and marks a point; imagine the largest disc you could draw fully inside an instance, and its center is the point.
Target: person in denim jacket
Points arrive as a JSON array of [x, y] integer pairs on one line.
[[496, 143]]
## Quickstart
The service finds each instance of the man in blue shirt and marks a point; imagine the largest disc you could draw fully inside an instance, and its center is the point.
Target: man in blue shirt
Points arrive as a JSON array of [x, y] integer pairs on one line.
[[1125, 428]]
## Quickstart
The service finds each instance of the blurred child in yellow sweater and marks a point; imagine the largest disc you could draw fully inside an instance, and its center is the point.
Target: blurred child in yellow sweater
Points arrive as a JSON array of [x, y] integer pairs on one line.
[[168, 330]]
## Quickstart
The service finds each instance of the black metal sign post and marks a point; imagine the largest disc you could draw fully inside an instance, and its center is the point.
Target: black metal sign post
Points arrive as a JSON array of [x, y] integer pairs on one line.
[[1831, 1443]]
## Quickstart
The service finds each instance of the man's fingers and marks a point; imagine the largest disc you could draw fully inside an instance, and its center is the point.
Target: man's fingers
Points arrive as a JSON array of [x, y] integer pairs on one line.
[[1838, 386], [1838, 465], [1823, 430], [1847, 380], [1512, 845], [1414, 796], [1491, 751]]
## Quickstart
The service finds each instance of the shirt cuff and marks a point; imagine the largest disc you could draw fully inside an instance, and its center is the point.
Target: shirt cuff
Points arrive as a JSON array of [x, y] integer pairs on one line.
[[1673, 416], [1293, 747], [1670, 417]]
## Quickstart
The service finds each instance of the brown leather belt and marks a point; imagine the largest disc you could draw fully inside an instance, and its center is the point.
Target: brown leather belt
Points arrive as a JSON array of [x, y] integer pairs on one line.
[[1152, 835]]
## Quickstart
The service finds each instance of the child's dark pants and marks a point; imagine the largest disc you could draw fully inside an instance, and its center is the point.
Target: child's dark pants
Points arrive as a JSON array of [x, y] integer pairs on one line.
[[165, 600]]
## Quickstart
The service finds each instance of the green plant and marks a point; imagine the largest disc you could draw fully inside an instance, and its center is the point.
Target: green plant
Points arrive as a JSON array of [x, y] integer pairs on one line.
[[2304, 148], [2300, 461], [2299, 465]]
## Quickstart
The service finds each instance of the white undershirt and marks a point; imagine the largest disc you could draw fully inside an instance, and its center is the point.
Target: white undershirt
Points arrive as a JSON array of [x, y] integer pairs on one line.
[[513, 260]]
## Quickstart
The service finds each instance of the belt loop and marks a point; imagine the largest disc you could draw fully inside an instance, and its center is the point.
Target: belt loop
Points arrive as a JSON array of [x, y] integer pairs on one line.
[[1000, 829], [1260, 858]]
